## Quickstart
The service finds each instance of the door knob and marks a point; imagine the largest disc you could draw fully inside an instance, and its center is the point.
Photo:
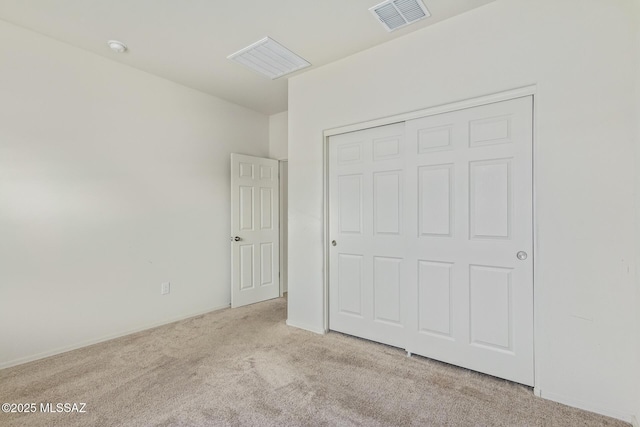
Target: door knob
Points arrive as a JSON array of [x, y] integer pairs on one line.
[[333, 243], [522, 255], [236, 239]]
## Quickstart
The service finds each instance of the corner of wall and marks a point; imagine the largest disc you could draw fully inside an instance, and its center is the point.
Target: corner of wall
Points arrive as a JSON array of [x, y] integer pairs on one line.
[[636, 420], [278, 136]]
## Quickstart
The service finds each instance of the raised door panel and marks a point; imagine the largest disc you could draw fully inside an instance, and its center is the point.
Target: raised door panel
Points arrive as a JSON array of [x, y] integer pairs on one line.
[[350, 201], [386, 148], [490, 199], [436, 200], [246, 212], [350, 276], [490, 131], [350, 153], [266, 208], [435, 138], [387, 199], [266, 264], [245, 170], [267, 173], [246, 267], [387, 281], [490, 306], [435, 298]]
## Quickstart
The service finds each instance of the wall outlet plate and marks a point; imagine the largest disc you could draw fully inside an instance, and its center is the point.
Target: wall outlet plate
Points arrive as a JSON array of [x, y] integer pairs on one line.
[[165, 288]]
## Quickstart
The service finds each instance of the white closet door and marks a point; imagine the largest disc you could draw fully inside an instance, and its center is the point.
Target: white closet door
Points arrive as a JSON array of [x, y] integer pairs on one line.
[[471, 293], [433, 229], [367, 223]]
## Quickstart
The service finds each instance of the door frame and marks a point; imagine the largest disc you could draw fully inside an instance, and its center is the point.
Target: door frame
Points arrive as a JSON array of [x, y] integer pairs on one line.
[[284, 224], [530, 90]]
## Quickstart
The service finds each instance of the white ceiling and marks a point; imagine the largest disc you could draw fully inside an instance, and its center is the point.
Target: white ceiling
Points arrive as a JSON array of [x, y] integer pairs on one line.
[[188, 41]]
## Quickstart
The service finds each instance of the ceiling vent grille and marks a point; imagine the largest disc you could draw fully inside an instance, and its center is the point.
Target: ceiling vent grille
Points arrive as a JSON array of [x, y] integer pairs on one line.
[[394, 14], [269, 58]]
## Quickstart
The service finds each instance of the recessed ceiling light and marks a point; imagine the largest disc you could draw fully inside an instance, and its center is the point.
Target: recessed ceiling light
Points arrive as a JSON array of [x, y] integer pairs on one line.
[[269, 58], [117, 46]]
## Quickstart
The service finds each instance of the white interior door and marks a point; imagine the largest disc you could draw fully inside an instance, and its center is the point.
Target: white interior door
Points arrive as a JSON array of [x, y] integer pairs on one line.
[[433, 226], [471, 296], [368, 267], [255, 263]]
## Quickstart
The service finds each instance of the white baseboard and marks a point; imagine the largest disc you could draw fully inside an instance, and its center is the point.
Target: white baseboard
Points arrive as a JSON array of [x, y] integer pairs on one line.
[[87, 343], [589, 406], [306, 327]]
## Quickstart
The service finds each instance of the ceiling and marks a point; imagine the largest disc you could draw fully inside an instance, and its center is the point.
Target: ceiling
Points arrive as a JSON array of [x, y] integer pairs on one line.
[[188, 41]]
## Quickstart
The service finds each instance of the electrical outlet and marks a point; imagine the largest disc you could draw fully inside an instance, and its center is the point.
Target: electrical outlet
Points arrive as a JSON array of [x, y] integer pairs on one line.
[[165, 288]]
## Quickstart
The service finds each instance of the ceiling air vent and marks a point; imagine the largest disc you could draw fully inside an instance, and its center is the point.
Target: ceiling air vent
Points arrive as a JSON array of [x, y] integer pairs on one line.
[[269, 58], [394, 14]]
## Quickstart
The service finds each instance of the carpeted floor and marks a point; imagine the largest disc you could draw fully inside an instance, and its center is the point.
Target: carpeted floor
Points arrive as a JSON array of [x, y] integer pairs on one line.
[[246, 367]]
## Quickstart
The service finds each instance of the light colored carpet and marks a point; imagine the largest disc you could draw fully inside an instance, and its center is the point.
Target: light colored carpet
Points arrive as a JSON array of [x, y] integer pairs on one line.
[[246, 367]]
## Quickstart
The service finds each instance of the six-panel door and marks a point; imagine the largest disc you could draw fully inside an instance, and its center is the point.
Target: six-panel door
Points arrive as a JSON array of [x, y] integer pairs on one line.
[[255, 262], [368, 267], [429, 217]]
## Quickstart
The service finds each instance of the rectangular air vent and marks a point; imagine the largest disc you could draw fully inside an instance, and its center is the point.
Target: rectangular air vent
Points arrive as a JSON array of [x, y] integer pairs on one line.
[[269, 58], [394, 14]]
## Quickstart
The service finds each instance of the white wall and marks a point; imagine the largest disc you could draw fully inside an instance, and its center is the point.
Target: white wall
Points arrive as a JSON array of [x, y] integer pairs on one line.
[[111, 182], [637, 211], [580, 55], [278, 136]]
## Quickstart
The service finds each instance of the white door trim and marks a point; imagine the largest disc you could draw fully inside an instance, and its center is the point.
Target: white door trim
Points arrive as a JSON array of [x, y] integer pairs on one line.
[[284, 195], [530, 90], [431, 111]]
